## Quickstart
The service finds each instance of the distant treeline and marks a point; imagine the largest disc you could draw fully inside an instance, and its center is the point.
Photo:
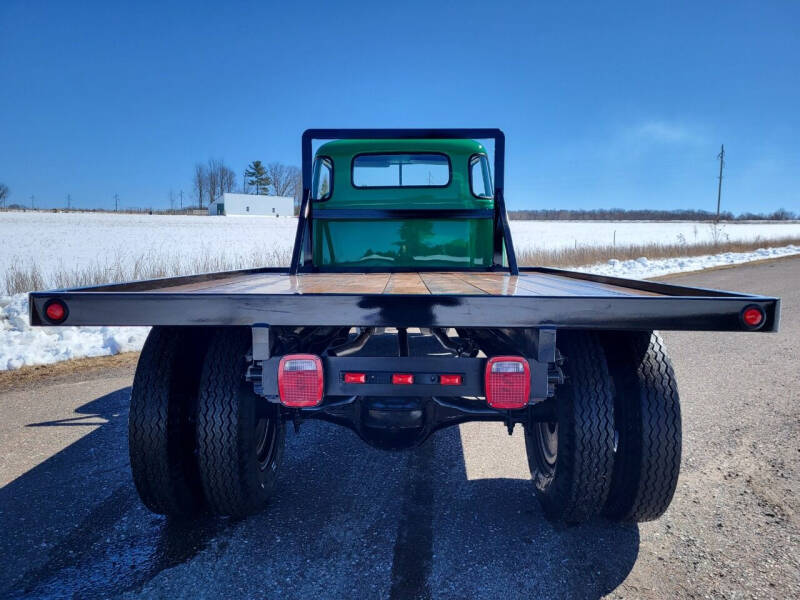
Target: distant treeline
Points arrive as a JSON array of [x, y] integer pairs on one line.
[[128, 210], [621, 214]]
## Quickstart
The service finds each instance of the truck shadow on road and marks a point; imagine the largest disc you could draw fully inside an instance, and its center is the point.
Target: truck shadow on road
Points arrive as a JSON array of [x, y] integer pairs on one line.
[[347, 521]]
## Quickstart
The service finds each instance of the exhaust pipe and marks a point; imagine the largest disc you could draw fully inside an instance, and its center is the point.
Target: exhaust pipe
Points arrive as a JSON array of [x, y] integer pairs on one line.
[[357, 344]]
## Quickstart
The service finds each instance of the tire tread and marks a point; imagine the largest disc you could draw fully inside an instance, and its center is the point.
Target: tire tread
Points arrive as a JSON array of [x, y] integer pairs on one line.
[[646, 476]]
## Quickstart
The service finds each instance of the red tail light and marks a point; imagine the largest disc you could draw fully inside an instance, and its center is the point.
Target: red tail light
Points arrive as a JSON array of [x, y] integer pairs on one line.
[[450, 379], [55, 311], [300, 380], [402, 379], [508, 382]]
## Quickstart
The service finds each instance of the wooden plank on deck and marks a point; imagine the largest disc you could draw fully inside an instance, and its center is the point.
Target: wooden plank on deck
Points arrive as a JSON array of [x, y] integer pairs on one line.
[[406, 283]]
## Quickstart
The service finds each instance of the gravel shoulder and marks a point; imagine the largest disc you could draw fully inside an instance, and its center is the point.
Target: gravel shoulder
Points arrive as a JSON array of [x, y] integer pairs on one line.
[[453, 519]]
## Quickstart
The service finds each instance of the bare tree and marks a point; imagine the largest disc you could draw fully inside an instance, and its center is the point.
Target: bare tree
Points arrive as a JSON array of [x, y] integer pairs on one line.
[[219, 179], [297, 189], [200, 181], [283, 178], [212, 179], [227, 180], [4, 193]]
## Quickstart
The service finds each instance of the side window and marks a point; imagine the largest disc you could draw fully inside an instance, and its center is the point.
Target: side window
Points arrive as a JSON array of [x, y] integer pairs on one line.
[[480, 178], [322, 181]]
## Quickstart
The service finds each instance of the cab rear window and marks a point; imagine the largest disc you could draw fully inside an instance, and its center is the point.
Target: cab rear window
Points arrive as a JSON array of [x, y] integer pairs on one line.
[[401, 170]]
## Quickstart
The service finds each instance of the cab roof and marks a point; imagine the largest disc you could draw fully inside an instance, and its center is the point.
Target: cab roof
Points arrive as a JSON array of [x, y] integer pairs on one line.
[[349, 148]]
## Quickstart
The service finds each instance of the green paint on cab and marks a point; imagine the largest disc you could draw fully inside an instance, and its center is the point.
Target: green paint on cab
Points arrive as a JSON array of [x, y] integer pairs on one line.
[[402, 174]]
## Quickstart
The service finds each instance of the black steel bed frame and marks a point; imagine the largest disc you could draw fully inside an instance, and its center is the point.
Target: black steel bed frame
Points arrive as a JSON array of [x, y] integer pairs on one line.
[[679, 308]]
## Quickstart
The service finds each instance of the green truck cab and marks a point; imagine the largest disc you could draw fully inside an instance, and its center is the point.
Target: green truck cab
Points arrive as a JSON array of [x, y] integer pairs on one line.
[[354, 180]]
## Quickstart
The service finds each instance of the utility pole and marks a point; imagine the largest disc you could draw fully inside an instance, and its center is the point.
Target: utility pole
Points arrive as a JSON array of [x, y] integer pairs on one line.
[[69, 201], [116, 202], [171, 200], [32, 199], [721, 157], [181, 194]]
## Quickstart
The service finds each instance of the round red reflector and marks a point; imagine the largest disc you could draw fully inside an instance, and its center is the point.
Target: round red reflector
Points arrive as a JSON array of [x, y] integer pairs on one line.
[[56, 311], [753, 317]]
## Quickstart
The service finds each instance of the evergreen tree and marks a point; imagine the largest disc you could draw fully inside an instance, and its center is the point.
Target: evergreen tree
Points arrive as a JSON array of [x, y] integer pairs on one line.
[[257, 176]]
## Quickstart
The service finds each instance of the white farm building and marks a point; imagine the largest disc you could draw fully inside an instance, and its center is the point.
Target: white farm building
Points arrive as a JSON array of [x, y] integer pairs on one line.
[[251, 204]]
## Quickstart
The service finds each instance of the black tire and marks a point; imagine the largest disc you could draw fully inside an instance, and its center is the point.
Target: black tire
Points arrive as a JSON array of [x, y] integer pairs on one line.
[[161, 439], [571, 460], [240, 436], [648, 421]]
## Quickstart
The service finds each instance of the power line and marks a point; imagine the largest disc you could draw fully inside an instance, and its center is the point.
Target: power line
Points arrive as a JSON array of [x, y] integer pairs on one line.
[[721, 157]]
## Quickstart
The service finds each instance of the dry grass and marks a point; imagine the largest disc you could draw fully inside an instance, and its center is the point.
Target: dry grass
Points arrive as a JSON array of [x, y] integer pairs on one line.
[[589, 255], [24, 278], [98, 366]]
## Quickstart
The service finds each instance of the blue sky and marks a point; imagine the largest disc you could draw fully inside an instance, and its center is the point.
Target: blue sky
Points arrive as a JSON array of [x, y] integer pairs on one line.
[[603, 106]]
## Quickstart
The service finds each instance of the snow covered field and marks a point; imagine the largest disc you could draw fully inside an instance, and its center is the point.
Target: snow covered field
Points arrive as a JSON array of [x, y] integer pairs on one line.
[[55, 241]]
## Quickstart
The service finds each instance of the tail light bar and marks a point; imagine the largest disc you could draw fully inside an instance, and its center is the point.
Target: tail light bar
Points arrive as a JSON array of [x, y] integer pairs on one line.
[[508, 382], [450, 379], [355, 378], [300, 380]]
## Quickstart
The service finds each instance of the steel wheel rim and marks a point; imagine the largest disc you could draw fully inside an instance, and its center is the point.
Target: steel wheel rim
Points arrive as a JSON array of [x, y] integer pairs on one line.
[[266, 435], [547, 445]]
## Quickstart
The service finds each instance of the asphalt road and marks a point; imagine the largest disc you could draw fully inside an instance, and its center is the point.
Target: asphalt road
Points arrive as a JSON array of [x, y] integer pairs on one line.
[[454, 519]]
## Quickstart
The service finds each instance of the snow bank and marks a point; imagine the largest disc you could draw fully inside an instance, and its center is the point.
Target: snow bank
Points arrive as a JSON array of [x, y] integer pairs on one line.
[[644, 268], [22, 345]]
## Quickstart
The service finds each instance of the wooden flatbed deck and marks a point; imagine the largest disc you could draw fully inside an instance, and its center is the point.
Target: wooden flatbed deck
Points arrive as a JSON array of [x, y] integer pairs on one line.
[[428, 283], [537, 297]]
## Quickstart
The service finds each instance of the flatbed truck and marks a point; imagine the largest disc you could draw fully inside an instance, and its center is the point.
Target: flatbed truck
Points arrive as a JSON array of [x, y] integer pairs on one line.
[[404, 233]]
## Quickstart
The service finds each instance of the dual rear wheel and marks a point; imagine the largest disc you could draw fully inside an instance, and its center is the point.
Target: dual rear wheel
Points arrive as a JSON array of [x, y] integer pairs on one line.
[[615, 446], [199, 438]]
